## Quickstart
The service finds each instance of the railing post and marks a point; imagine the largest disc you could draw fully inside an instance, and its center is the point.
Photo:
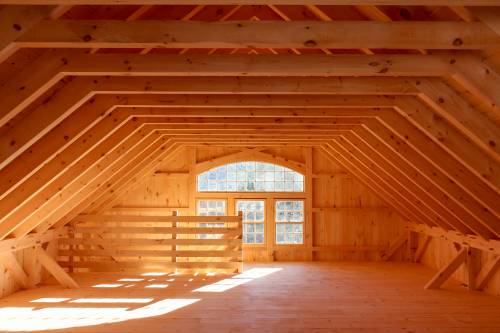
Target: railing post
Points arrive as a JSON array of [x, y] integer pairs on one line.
[[240, 227], [174, 236]]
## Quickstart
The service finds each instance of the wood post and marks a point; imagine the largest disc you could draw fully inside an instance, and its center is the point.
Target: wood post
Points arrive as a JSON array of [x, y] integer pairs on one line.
[[445, 272], [240, 227], [394, 246], [10, 262], [53, 268], [174, 236], [489, 268], [422, 246]]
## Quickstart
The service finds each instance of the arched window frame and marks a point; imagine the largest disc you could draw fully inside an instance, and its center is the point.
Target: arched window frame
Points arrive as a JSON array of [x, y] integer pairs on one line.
[[298, 185]]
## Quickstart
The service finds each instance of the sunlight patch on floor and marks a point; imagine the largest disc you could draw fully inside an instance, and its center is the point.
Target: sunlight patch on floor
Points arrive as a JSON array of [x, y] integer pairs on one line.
[[237, 280], [112, 300], [15, 319], [50, 300]]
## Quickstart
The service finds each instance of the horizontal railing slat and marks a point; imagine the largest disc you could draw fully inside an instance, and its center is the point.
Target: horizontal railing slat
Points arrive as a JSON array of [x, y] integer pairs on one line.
[[149, 253], [170, 219]]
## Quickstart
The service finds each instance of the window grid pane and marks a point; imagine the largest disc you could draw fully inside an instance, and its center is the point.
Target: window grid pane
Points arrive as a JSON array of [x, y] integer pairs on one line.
[[289, 221], [211, 208], [250, 177], [253, 220]]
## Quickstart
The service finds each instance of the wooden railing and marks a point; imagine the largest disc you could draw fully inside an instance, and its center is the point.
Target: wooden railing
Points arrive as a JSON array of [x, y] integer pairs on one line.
[[136, 243]]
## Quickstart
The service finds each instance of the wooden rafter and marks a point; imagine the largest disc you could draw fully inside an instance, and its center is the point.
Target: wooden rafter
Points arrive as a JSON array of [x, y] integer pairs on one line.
[[259, 34], [276, 2]]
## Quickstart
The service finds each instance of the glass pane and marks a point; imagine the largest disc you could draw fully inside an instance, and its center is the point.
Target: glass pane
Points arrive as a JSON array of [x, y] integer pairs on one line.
[[259, 216], [269, 186], [259, 238], [252, 209], [241, 187], [231, 186], [259, 186], [254, 176], [207, 207], [298, 239], [251, 186], [249, 227], [280, 238], [250, 238], [280, 216], [289, 218]]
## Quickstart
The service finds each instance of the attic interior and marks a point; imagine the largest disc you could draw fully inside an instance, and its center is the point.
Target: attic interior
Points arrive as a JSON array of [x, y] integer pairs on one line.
[[223, 166]]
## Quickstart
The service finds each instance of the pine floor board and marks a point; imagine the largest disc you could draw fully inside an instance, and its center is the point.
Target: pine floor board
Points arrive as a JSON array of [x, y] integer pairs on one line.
[[274, 297]]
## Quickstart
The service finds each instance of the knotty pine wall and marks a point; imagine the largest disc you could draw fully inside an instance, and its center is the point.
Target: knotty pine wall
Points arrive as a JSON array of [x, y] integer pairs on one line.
[[344, 219]]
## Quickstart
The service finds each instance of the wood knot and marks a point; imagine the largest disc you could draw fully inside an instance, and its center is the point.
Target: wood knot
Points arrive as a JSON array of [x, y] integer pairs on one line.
[[17, 27], [87, 38], [457, 42], [310, 43]]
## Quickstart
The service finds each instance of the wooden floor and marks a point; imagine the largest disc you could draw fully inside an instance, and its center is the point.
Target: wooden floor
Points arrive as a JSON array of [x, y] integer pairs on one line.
[[277, 297]]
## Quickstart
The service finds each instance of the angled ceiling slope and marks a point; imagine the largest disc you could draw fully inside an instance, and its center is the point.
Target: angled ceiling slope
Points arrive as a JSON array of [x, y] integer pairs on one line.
[[91, 107]]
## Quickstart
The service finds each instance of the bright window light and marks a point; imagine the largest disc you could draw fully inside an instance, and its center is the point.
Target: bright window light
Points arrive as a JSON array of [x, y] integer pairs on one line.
[[130, 280], [250, 176]]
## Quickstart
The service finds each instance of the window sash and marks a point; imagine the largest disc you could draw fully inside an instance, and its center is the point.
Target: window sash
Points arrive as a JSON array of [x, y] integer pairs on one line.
[[289, 217]]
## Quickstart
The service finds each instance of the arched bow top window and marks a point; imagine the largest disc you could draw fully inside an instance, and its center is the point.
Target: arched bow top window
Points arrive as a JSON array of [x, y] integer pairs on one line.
[[250, 176]]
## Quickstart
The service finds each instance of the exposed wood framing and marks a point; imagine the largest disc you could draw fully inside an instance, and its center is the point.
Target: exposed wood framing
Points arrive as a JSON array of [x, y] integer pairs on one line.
[[53, 267], [487, 271], [446, 272], [80, 131], [492, 246], [394, 246], [10, 262], [259, 34]]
